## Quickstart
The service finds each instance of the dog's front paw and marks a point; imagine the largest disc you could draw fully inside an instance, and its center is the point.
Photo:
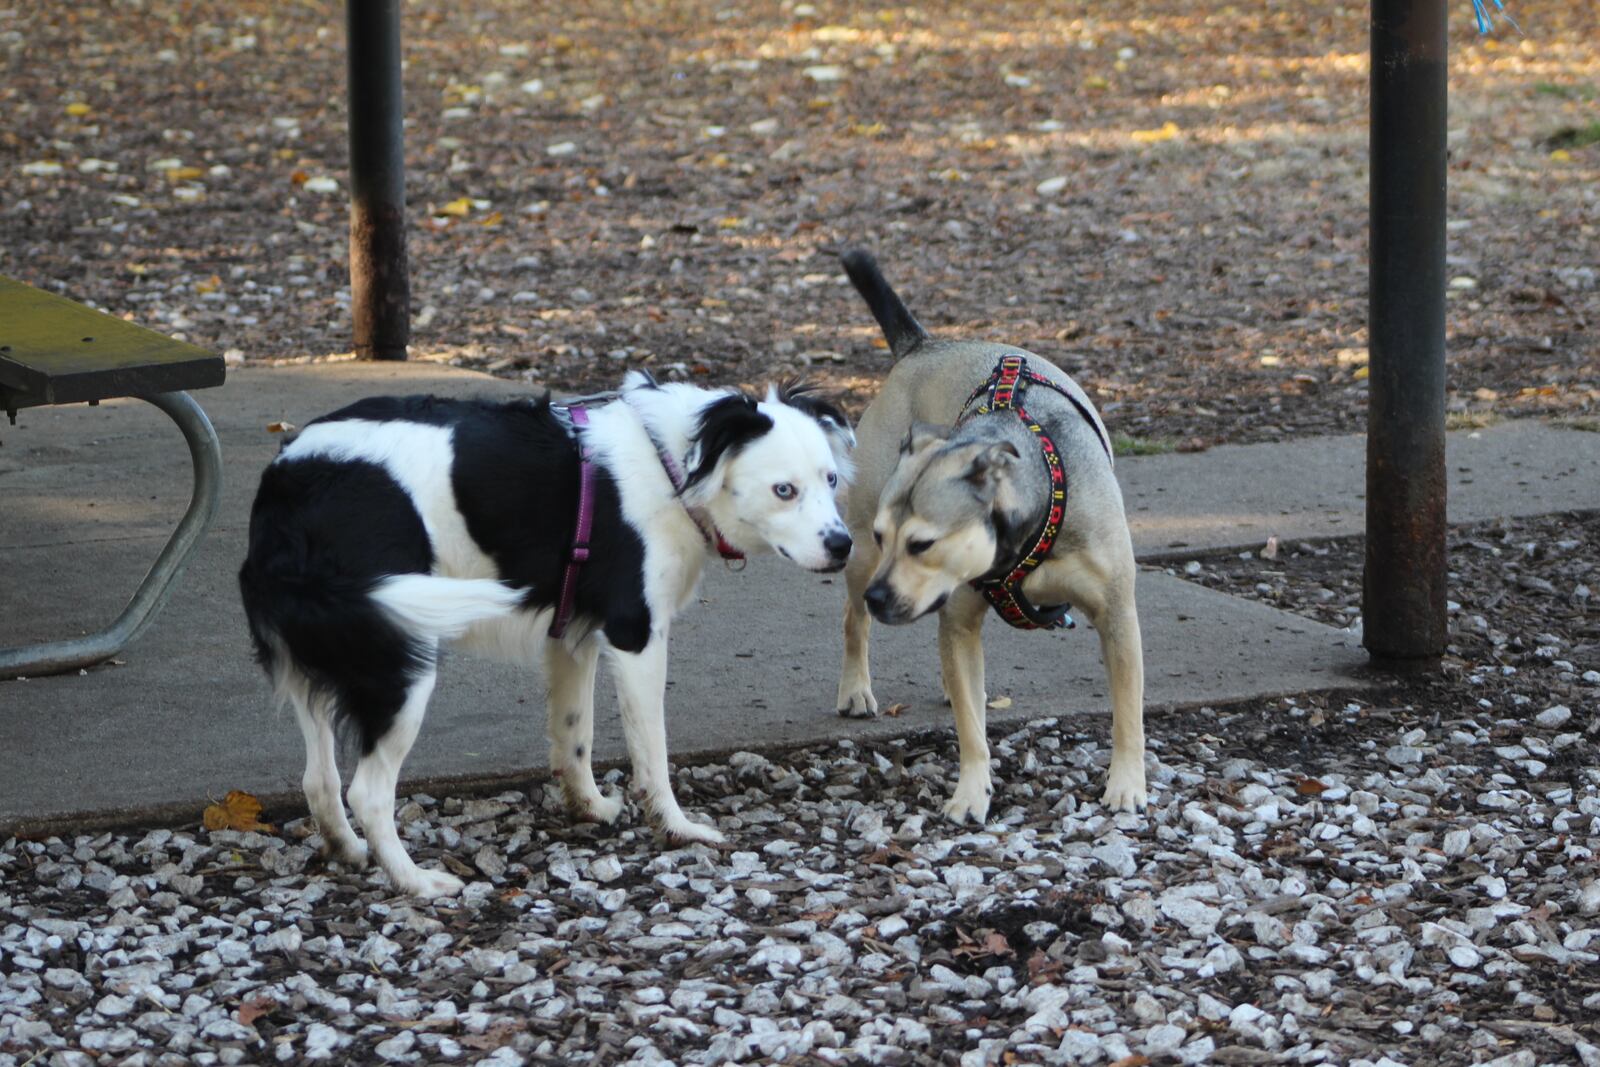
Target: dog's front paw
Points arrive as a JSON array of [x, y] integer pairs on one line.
[[427, 885], [589, 805], [857, 703], [970, 801], [682, 831], [602, 808], [1125, 789], [349, 851]]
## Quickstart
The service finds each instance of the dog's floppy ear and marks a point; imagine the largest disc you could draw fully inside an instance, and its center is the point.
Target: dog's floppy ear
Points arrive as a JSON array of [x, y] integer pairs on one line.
[[726, 425], [921, 435], [804, 397], [989, 465], [639, 378]]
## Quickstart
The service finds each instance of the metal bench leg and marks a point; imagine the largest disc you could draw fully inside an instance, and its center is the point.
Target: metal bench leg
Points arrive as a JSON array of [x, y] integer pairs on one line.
[[153, 593]]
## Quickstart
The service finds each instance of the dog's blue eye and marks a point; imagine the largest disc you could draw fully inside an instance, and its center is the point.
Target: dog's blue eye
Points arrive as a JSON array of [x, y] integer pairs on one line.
[[917, 548], [784, 491], [833, 480]]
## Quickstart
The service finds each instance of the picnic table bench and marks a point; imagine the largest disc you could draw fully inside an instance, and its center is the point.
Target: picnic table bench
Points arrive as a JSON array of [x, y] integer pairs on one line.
[[55, 351]]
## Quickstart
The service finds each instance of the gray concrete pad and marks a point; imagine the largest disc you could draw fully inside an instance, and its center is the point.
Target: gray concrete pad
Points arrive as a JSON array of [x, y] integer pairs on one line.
[[1239, 495], [88, 494]]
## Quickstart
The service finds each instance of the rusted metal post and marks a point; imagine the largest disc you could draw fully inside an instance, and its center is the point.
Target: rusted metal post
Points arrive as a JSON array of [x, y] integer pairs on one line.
[[1403, 595], [380, 288]]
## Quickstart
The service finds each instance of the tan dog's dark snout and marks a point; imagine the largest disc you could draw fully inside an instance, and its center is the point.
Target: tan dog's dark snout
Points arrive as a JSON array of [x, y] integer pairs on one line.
[[893, 610]]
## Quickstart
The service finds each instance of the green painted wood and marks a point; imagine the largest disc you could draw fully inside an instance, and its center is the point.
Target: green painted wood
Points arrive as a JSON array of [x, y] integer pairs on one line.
[[56, 351]]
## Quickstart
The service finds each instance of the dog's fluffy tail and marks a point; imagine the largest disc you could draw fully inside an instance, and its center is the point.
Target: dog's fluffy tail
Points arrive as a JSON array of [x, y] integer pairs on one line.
[[443, 607], [903, 332]]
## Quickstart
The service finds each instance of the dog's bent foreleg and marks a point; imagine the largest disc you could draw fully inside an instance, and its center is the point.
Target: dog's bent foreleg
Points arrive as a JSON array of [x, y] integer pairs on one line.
[[641, 690], [961, 662], [855, 700], [372, 798], [570, 708], [321, 780]]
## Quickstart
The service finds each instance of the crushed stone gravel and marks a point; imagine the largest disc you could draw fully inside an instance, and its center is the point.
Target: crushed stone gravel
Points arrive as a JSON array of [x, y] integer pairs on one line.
[[1436, 911]]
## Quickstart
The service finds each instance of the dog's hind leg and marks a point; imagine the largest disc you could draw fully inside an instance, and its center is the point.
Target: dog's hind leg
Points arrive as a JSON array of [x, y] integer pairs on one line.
[[571, 727], [641, 689], [1100, 584], [855, 700], [961, 663], [372, 797], [321, 780]]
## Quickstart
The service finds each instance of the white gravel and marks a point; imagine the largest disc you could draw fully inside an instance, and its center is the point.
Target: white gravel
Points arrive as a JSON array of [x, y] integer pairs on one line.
[[1403, 914]]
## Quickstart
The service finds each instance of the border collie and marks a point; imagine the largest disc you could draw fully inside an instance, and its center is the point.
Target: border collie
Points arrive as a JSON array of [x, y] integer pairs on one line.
[[396, 524]]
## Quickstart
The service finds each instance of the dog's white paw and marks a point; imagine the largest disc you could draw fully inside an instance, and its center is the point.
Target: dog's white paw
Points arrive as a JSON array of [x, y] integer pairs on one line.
[[681, 831], [1125, 789], [348, 851], [428, 885], [970, 801], [589, 805], [601, 808], [857, 703]]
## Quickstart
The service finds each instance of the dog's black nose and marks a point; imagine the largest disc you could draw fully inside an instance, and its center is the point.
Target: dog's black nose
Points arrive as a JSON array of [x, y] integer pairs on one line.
[[877, 597], [838, 544]]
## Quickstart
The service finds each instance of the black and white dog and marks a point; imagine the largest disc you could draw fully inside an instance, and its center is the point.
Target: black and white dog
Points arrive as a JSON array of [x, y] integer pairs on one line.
[[398, 523]]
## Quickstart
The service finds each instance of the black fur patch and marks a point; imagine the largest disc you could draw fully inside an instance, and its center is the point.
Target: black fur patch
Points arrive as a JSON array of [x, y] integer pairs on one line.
[[322, 534], [726, 425], [805, 397], [900, 328]]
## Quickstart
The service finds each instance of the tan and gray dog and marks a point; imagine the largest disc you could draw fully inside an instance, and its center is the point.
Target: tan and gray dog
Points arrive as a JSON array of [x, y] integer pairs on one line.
[[985, 478]]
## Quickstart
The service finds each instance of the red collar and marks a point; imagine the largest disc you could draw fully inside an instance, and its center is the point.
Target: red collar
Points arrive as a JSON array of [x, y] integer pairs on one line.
[[708, 529]]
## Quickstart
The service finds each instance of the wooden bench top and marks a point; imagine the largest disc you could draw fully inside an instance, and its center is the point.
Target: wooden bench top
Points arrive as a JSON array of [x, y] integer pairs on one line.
[[55, 351]]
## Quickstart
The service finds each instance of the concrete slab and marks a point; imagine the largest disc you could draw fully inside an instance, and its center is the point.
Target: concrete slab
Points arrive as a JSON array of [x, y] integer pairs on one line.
[[90, 493], [1239, 495]]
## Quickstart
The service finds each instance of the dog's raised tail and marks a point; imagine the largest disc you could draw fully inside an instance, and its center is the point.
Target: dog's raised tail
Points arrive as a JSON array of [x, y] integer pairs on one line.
[[443, 607], [903, 332]]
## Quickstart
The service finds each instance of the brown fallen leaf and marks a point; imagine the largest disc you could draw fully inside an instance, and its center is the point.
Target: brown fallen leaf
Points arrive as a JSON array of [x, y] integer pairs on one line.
[[994, 943], [1000, 703], [1310, 787], [1136, 1060], [238, 811], [893, 711], [253, 1009], [497, 1035], [280, 427]]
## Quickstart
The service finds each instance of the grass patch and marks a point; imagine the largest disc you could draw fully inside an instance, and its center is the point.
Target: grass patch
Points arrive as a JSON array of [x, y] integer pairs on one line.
[[1575, 136], [1566, 92], [1470, 420], [1125, 444]]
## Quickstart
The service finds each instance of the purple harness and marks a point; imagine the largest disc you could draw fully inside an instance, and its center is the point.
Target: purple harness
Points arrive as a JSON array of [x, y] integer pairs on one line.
[[580, 534], [585, 521]]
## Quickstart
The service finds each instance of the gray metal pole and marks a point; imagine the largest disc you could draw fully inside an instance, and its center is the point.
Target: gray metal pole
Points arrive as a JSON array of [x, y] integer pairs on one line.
[[380, 288], [1403, 595]]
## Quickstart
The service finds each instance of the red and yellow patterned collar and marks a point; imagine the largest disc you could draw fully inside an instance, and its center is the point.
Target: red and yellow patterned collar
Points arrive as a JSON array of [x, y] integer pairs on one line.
[[1002, 588]]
